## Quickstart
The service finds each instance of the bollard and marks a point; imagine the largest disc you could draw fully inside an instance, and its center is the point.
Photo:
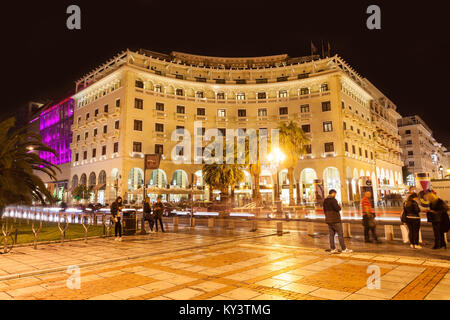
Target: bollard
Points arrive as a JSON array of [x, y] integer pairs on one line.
[[279, 228], [254, 226], [192, 222], [211, 223], [175, 221], [389, 232], [347, 230], [310, 228]]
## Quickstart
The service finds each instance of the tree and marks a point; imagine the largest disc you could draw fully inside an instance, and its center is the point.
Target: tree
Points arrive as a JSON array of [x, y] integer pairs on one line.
[[293, 142], [19, 161], [81, 192], [223, 176]]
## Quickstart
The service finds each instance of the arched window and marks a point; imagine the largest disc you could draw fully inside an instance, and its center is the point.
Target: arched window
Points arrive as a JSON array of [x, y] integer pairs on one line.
[[324, 87], [92, 179], [102, 177], [83, 179], [75, 181], [304, 91]]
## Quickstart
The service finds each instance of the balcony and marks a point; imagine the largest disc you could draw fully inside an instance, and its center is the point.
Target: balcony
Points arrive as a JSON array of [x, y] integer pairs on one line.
[[159, 135], [283, 117], [262, 118], [221, 119], [102, 118], [116, 111], [180, 116], [114, 133], [242, 119], [201, 117], [159, 114], [305, 116]]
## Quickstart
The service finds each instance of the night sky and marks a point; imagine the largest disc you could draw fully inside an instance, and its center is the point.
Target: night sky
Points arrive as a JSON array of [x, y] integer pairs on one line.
[[408, 59]]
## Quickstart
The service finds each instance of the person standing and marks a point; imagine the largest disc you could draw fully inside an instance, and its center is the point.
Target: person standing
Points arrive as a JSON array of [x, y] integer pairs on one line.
[[412, 219], [158, 210], [332, 210], [368, 217], [116, 211], [357, 201], [439, 218], [147, 211]]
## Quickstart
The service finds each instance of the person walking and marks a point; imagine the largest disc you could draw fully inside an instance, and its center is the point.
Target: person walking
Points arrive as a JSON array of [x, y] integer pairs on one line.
[[368, 217], [147, 211], [116, 211], [332, 210], [412, 219], [158, 210], [439, 219]]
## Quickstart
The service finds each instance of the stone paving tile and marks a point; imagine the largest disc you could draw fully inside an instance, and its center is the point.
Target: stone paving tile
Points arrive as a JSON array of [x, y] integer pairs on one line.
[[241, 294], [208, 286], [183, 294], [329, 294], [272, 283], [129, 293], [299, 288]]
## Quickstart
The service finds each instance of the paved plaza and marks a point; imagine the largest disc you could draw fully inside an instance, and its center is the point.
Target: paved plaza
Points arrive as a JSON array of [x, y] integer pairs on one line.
[[221, 265]]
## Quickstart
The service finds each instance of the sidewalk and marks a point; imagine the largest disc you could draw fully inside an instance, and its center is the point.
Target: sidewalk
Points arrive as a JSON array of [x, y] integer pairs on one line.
[[200, 264]]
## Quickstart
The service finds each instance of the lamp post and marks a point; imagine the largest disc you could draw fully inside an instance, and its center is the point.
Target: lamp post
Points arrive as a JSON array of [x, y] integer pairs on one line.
[[276, 157]]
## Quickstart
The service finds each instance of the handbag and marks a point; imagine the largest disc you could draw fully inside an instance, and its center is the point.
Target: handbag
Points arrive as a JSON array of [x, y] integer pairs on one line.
[[369, 220], [430, 216], [403, 216]]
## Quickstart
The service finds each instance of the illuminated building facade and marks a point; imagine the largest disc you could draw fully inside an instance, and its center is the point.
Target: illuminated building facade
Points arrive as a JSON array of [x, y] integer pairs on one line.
[[132, 105]]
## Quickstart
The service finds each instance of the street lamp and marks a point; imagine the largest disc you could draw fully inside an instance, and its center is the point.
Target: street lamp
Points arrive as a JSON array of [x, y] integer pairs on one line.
[[275, 158]]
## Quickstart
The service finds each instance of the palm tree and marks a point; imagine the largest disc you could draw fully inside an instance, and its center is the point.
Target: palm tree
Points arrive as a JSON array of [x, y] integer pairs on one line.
[[19, 160], [223, 176], [293, 142]]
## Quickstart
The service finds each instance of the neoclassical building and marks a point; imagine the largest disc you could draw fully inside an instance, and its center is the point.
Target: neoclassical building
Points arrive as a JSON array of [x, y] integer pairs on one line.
[[133, 104]]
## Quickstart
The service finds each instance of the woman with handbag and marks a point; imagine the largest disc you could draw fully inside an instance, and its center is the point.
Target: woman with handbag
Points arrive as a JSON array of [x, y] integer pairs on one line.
[[439, 219], [147, 211], [368, 217], [411, 216], [116, 211]]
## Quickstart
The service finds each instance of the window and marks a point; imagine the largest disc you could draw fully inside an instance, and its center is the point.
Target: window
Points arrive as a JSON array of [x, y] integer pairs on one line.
[[345, 125], [221, 113], [409, 142], [86, 135], [116, 147], [179, 92], [87, 116], [105, 108], [181, 109], [240, 96], [262, 112], [284, 111], [410, 153], [94, 153], [366, 154], [95, 132], [360, 152], [324, 87], [326, 106], [117, 125], [139, 104], [222, 132], [282, 94], [308, 149], [137, 125], [78, 138], [304, 91], [179, 129], [306, 128], [76, 157], [261, 95], [158, 88], [411, 163], [353, 150], [137, 146], [329, 147], [117, 102], [179, 151], [199, 94], [358, 131], [84, 155], [346, 147], [159, 127], [160, 106], [105, 129], [79, 120], [408, 132], [103, 150], [159, 149], [201, 111], [220, 96], [241, 81], [201, 131], [139, 84], [328, 126], [304, 108], [242, 112], [96, 112], [343, 104], [371, 156]]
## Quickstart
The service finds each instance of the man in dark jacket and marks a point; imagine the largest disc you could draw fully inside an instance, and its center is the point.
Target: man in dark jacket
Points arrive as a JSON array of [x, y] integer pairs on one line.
[[147, 211], [332, 210], [158, 210], [440, 219]]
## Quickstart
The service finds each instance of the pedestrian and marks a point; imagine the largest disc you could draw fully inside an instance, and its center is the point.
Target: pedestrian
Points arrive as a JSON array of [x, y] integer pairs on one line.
[[368, 217], [438, 215], [357, 201], [116, 211], [411, 212], [158, 210], [332, 210], [147, 211]]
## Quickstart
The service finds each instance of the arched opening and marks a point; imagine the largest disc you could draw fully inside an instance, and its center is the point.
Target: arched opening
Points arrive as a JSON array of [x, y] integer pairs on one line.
[[266, 186], [331, 180], [135, 185], [101, 187], [74, 182], [243, 191], [91, 186], [179, 180], [307, 178], [158, 179], [83, 179], [114, 185]]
